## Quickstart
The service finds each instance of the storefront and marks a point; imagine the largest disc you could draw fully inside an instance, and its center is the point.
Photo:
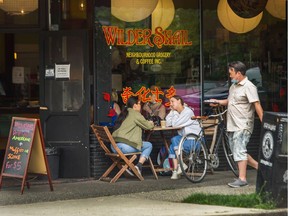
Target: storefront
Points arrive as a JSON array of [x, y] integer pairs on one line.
[[59, 58]]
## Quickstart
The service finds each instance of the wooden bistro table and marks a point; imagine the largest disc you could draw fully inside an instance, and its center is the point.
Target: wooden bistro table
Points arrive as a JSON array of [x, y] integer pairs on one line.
[[159, 168]]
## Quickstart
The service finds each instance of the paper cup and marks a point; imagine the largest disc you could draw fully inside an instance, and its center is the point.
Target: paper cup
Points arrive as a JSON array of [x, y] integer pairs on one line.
[[163, 123]]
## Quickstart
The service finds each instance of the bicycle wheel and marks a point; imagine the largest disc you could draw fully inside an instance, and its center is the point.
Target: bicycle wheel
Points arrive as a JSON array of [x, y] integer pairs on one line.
[[229, 156], [194, 156]]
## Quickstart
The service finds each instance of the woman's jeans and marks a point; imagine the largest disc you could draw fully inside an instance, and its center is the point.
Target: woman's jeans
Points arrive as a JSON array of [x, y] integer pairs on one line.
[[188, 144], [145, 149]]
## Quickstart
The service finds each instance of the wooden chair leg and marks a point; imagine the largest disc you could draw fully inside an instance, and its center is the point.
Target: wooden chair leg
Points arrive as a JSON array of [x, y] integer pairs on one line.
[[117, 176], [109, 170], [132, 167], [152, 168], [126, 166]]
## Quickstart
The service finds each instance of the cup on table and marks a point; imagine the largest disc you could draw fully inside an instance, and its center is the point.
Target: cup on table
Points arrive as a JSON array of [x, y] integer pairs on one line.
[[163, 123]]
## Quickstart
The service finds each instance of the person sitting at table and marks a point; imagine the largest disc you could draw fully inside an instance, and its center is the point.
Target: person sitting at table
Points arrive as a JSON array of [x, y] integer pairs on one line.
[[154, 108], [128, 132], [180, 116], [114, 102]]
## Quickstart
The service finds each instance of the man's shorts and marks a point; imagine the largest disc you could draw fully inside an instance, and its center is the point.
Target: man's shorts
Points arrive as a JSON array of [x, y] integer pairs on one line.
[[238, 141]]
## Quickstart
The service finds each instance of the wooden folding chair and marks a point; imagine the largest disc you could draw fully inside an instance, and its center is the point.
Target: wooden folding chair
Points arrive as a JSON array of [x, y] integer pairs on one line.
[[121, 160]]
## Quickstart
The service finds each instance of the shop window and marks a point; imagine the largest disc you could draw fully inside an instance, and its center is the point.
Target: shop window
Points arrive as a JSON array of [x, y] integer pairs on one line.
[[18, 13], [19, 70], [172, 62], [260, 45], [70, 14]]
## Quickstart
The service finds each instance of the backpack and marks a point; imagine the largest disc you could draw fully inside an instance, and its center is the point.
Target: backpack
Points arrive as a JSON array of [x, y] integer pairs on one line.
[[156, 120], [167, 163]]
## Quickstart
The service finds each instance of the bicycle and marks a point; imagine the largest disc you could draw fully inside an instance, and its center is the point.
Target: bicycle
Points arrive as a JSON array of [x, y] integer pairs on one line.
[[199, 157]]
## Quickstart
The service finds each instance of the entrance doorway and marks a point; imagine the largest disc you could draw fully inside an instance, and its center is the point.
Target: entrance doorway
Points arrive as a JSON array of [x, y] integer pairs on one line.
[[65, 99]]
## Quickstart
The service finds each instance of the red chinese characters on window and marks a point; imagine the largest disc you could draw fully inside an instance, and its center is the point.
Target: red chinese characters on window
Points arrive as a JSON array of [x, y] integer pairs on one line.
[[126, 94], [170, 93], [143, 93], [157, 92]]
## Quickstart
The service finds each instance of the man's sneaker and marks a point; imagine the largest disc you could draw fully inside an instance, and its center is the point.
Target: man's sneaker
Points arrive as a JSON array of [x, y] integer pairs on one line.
[[175, 175], [139, 170], [179, 171], [238, 183], [128, 171]]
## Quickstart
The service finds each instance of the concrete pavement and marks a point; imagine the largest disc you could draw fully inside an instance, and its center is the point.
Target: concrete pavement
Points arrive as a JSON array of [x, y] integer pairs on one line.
[[119, 205], [128, 196]]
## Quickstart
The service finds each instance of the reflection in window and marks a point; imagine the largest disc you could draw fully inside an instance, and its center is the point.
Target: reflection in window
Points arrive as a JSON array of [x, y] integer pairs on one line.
[[165, 66], [261, 49], [19, 13]]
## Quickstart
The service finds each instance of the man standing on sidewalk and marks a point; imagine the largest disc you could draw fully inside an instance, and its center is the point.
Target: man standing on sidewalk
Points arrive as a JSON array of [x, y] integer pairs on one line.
[[242, 102]]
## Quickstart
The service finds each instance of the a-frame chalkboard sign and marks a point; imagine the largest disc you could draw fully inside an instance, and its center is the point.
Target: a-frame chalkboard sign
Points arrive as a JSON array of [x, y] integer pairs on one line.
[[25, 151]]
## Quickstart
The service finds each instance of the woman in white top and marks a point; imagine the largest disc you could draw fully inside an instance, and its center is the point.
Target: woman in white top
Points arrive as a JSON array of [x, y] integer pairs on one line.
[[180, 116]]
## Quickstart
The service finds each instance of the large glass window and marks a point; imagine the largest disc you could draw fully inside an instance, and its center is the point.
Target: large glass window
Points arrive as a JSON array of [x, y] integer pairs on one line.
[[140, 60], [261, 45], [155, 45], [16, 13], [19, 69]]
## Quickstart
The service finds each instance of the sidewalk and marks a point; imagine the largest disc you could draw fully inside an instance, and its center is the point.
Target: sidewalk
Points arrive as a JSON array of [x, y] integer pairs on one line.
[[115, 205], [128, 196]]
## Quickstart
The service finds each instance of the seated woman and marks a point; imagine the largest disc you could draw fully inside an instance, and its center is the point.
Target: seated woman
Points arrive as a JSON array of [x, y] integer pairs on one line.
[[115, 110], [128, 131], [154, 108], [180, 115], [114, 102]]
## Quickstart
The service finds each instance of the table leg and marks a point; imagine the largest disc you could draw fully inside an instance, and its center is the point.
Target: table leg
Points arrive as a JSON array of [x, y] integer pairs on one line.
[[166, 145]]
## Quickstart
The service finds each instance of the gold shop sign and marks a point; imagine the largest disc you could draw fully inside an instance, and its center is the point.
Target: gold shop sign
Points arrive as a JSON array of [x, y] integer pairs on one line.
[[142, 37]]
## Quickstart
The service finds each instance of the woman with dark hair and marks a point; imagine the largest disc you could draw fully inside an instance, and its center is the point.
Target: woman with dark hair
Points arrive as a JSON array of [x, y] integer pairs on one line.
[[180, 116], [128, 131]]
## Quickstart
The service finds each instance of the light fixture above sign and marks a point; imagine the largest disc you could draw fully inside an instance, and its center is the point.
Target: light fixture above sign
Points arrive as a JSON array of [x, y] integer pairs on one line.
[[163, 14], [247, 8], [277, 8], [234, 23], [18, 7], [132, 10]]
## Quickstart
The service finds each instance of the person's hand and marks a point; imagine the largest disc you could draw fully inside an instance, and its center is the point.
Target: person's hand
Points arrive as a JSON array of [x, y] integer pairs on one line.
[[151, 122], [212, 102]]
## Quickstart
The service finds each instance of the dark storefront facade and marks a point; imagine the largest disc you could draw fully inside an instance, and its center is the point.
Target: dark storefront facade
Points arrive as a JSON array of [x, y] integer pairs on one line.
[[59, 57]]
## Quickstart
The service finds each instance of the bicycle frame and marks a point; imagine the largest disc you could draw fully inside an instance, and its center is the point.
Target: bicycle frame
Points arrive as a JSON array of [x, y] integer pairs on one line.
[[213, 148], [199, 161], [214, 145]]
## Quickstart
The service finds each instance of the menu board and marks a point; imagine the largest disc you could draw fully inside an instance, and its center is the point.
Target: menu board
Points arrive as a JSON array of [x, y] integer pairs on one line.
[[25, 151], [19, 147]]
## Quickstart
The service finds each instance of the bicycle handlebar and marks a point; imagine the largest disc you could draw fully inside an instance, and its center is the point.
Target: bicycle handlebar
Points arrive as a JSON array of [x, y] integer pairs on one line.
[[207, 117], [210, 102], [199, 117]]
